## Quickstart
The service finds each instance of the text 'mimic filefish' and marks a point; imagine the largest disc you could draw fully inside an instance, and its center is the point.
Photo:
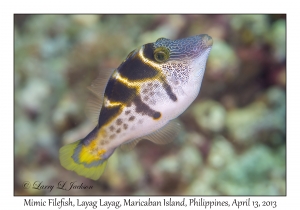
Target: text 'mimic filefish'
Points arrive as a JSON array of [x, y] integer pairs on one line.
[[140, 100]]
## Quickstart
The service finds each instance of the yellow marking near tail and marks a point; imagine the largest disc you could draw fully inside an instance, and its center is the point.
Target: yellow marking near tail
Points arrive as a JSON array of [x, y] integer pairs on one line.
[[90, 153], [85, 157]]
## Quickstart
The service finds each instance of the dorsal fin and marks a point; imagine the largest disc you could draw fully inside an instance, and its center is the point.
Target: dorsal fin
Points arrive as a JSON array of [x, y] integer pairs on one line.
[[95, 100], [163, 135], [93, 108]]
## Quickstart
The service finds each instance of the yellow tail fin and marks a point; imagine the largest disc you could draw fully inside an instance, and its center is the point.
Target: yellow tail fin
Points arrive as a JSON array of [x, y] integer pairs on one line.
[[75, 157]]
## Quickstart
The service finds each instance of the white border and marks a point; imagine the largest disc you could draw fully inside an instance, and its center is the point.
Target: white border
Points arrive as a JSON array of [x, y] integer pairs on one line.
[[8, 201]]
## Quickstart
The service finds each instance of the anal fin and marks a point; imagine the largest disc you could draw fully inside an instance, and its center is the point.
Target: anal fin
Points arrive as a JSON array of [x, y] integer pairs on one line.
[[164, 135], [130, 145]]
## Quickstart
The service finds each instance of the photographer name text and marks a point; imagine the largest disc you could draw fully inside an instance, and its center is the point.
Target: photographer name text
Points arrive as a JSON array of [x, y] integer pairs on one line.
[[61, 185]]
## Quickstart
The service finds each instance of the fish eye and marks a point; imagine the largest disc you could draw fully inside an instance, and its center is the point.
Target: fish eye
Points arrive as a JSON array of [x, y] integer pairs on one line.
[[161, 54]]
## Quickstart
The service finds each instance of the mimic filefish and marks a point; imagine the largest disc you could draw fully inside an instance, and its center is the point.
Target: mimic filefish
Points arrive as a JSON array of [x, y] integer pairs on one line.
[[140, 100]]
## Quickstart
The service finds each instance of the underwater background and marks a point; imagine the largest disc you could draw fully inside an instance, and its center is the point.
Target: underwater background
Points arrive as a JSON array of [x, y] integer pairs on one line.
[[233, 140]]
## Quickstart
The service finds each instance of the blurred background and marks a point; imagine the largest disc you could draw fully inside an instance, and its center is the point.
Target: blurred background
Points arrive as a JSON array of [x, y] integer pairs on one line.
[[234, 134]]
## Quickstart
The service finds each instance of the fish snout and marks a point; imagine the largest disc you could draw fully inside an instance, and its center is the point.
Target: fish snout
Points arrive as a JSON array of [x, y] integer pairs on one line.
[[207, 41]]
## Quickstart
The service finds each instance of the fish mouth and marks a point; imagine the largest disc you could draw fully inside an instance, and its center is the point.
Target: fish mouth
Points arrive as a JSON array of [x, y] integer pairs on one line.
[[204, 46], [200, 46]]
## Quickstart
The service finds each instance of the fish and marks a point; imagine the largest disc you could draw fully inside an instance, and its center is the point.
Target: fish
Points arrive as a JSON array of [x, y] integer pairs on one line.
[[140, 99]]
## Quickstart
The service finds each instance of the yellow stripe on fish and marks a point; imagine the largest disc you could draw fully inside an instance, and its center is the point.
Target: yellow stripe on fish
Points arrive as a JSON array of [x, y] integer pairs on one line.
[[142, 97]]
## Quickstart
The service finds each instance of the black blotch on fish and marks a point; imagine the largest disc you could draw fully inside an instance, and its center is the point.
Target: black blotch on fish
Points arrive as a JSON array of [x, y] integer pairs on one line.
[[144, 109], [125, 126], [112, 136], [156, 115], [87, 140], [169, 91], [144, 71], [119, 130], [111, 128], [117, 91], [149, 51], [127, 112], [107, 114]]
